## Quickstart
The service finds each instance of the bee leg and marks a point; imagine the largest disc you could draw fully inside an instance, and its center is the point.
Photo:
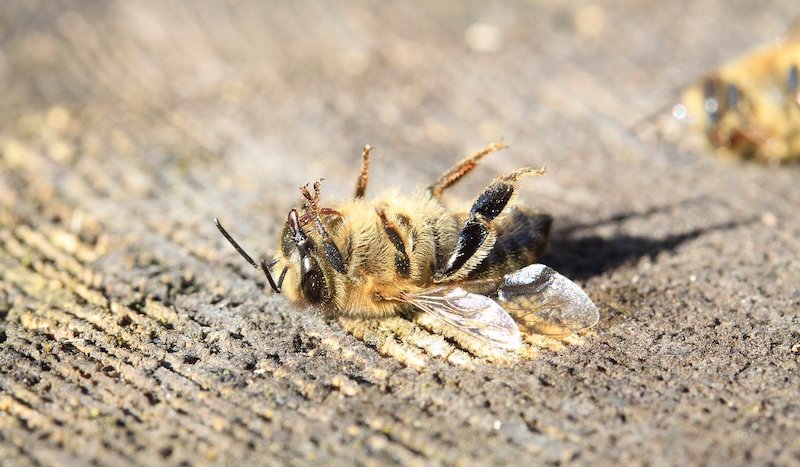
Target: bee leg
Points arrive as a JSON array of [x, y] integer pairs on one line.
[[478, 234], [361, 183], [307, 217], [401, 261], [462, 168], [521, 238], [313, 200], [332, 252]]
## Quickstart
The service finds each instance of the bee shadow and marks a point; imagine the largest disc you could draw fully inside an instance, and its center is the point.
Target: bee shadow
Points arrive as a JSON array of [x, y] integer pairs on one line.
[[582, 256]]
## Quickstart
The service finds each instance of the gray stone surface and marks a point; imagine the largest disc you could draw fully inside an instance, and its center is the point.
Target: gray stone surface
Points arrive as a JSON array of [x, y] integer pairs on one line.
[[132, 334]]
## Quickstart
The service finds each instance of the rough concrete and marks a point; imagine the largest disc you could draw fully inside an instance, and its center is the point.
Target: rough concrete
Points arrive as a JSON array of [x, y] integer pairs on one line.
[[132, 334]]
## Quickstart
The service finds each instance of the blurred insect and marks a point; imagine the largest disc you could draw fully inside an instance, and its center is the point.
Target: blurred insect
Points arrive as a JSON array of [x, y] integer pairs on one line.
[[400, 254], [750, 107]]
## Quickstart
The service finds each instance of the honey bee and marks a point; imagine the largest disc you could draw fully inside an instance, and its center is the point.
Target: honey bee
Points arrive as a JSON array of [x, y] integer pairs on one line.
[[750, 108], [401, 254]]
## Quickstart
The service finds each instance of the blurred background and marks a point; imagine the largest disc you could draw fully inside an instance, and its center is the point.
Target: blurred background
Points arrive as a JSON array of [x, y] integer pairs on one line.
[[247, 86]]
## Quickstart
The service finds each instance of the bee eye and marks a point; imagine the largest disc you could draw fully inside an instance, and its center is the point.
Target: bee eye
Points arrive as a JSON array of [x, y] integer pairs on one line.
[[313, 283]]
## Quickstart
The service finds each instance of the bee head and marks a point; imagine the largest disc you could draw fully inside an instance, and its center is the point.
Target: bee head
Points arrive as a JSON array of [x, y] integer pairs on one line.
[[308, 264], [301, 249]]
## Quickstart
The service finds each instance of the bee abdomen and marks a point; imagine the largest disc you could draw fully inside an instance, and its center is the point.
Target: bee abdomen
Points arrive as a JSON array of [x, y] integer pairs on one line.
[[521, 239]]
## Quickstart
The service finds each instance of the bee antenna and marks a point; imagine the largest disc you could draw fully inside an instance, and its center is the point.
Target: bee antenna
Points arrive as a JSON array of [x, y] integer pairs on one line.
[[264, 265]]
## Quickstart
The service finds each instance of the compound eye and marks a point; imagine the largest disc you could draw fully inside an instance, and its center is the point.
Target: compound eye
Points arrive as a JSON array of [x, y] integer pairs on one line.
[[313, 283]]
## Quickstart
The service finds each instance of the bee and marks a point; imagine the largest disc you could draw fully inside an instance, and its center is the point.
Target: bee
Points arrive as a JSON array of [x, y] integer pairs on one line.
[[403, 254], [750, 108]]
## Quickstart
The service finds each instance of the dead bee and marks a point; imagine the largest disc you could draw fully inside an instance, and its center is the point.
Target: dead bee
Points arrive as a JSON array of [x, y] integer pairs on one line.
[[750, 107], [400, 254]]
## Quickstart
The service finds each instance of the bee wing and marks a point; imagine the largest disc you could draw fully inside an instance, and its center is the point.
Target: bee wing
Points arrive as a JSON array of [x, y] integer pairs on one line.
[[545, 302], [475, 314]]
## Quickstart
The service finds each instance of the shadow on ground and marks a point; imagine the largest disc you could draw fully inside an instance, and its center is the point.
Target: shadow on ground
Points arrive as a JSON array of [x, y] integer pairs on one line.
[[582, 256]]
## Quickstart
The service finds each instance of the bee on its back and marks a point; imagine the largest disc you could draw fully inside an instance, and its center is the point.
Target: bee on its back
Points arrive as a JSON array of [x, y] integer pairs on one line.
[[399, 254]]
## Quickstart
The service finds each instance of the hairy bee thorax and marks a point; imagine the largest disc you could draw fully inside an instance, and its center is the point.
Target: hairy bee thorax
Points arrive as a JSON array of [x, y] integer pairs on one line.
[[387, 245]]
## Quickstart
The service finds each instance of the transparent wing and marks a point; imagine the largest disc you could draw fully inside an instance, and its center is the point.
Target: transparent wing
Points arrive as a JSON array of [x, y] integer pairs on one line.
[[545, 302], [477, 315]]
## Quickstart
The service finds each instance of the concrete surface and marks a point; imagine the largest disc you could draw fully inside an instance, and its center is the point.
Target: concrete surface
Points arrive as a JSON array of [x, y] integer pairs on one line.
[[131, 333]]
